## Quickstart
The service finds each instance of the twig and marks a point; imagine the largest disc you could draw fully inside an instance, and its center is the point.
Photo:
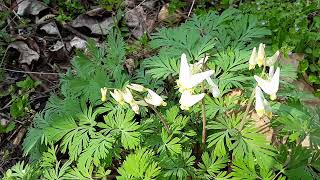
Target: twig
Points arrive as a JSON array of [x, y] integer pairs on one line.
[[193, 1], [29, 72], [35, 78], [162, 119], [7, 105]]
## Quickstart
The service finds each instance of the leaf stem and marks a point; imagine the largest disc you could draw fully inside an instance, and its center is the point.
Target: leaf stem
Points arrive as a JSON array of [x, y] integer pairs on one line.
[[244, 120], [203, 108], [162, 119]]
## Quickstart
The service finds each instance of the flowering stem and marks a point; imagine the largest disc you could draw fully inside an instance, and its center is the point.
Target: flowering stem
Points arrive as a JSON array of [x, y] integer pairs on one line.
[[244, 120], [203, 108], [204, 122], [162, 119]]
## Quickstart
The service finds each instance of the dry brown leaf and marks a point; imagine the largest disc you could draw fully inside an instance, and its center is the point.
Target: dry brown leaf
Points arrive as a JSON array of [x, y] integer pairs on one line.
[[78, 43], [138, 23], [164, 15], [262, 124], [27, 7], [50, 28], [27, 55], [129, 63], [56, 47], [292, 59], [101, 27], [164, 12]]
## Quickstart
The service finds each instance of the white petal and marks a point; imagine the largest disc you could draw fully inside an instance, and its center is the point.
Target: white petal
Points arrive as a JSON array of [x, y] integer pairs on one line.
[[199, 77], [185, 73], [135, 108], [271, 60], [153, 98], [259, 106], [261, 55], [271, 72], [117, 95], [127, 96], [137, 87], [187, 99], [253, 58], [275, 80], [196, 67], [265, 85], [215, 89]]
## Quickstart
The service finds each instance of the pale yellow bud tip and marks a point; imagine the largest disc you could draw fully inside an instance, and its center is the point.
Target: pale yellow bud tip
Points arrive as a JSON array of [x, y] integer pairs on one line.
[[260, 62], [251, 66], [104, 94], [260, 112], [269, 114], [164, 104], [273, 97]]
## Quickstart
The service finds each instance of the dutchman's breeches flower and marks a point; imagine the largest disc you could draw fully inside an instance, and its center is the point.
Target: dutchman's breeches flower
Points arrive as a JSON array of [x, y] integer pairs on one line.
[[188, 99], [137, 87], [270, 85], [118, 96], [261, 55], [187, 80], [253, 59], [262, 106], [154, 99], [190, 76], [104, 94]]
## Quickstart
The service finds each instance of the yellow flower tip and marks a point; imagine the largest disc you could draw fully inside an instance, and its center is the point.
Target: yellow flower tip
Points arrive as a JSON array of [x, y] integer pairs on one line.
[[104, 94], [269, 114], [260, 112], [184, 107], [135, 108], [273, 97], [260, 62], [251, 66], [164, 104]]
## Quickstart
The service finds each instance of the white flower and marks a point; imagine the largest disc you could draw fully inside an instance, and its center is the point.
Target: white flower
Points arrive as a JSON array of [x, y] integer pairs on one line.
[[261, 55], [271, 60], [118, 96], [196, 67], [187, 99], [154, 99], [127, 96], [135, 108], [271, 85], [214, 88], [187, 80], [104, 94], [137, 87], [262, 106], [253, 59]]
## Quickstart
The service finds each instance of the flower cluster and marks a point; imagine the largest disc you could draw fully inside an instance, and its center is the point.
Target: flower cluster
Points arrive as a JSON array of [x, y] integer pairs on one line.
[[190, 76], [269, 85], [126, 96]]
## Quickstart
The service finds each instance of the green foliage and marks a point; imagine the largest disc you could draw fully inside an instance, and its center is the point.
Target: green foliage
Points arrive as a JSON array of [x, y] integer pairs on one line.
[[79, 136], [213, 166], [294, 26], [140, 165]]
